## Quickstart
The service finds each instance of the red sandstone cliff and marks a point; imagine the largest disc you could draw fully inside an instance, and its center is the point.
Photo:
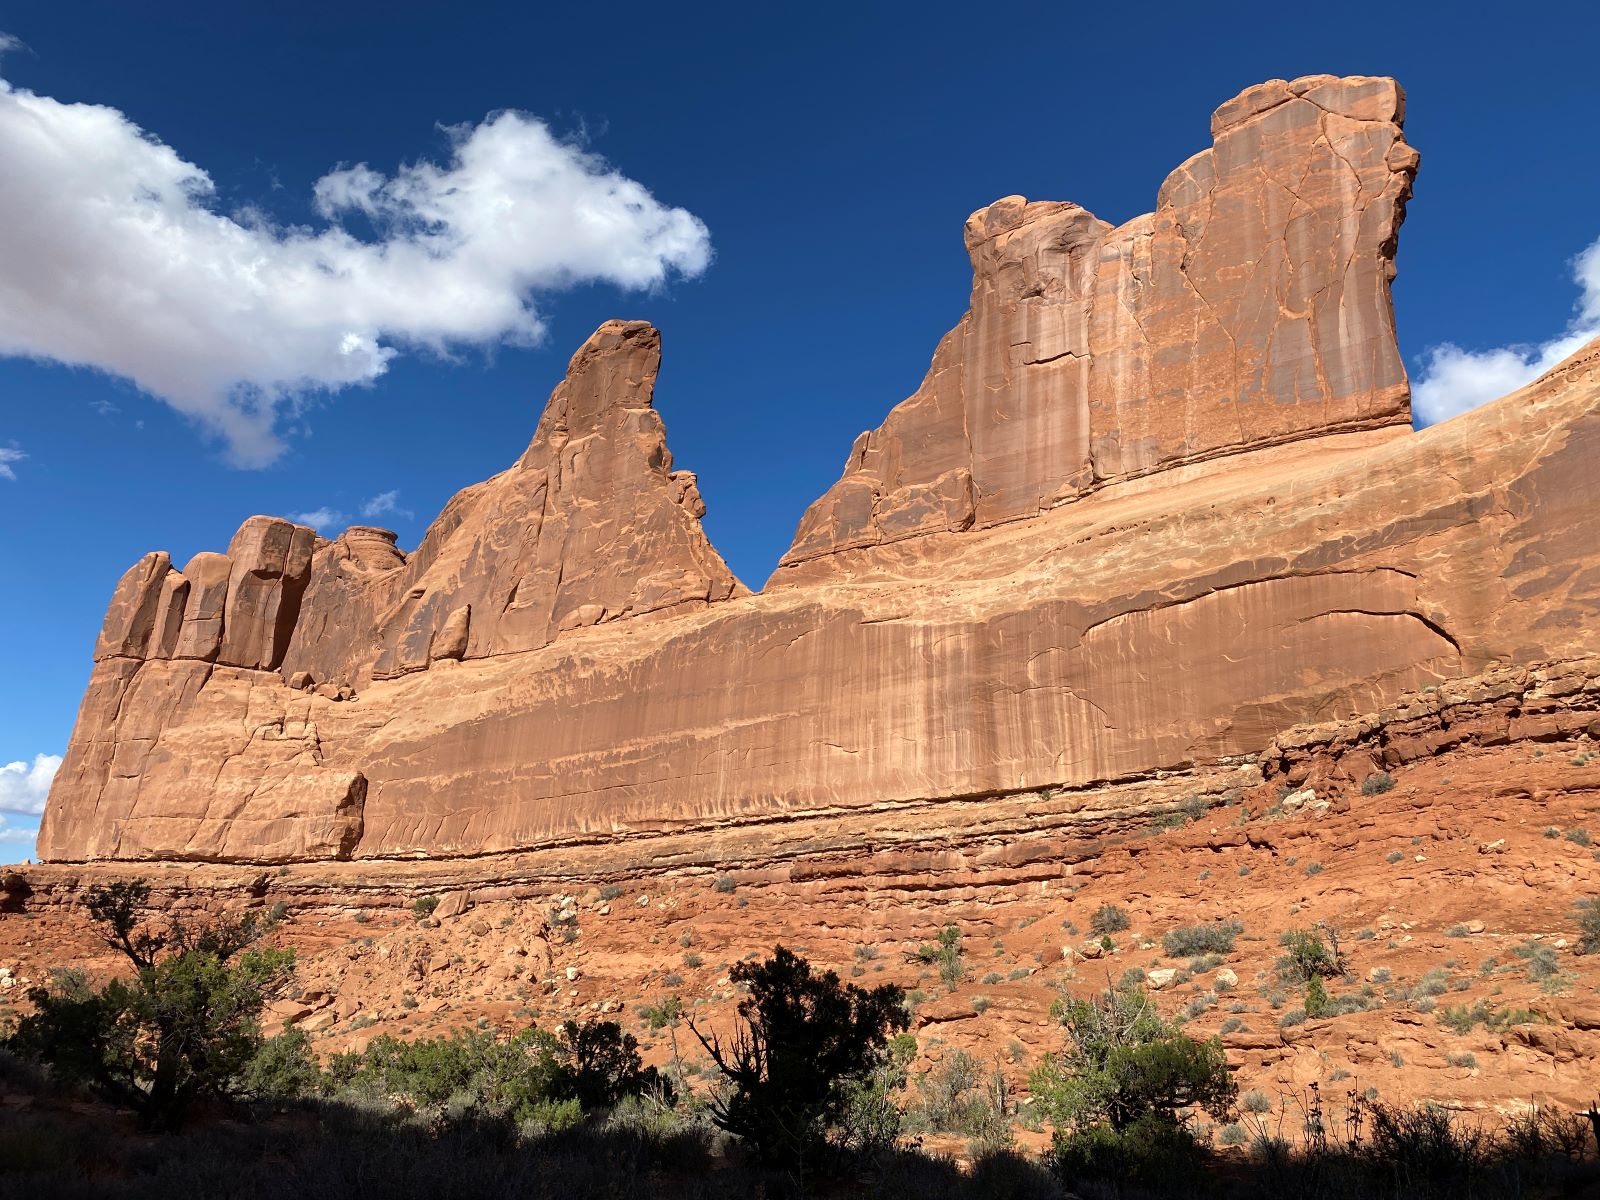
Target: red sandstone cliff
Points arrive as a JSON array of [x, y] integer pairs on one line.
[[1156, 502]]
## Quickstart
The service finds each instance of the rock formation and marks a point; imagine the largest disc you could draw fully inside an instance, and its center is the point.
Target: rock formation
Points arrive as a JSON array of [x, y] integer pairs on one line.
[[1156, 503], [1251, 308]]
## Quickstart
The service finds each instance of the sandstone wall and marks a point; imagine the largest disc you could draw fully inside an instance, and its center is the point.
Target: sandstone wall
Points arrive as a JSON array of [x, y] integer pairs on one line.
[[565, 660]]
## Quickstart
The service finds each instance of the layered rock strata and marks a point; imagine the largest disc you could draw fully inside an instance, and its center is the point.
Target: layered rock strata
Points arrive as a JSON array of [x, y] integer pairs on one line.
[[566, 661]]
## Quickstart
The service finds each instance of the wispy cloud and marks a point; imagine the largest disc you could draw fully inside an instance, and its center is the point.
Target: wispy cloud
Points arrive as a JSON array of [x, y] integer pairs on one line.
[[8, 456], [385, 504], [114, 255], [24, 786], [1455, 380], [320, 519]]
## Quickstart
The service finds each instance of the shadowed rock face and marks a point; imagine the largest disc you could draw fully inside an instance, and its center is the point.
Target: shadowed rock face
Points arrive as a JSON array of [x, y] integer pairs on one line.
[[1251, 308], [1254, 540]]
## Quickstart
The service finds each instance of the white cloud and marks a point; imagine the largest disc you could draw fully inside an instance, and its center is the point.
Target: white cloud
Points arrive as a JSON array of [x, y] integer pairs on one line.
[[9, 455], [113, 256], [26, 834], [24, 787], [1455, 380], [320, 518], [384, 504]]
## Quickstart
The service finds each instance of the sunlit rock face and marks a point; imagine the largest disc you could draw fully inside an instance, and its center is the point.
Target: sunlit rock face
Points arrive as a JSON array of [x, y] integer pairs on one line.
[[1157, 501]]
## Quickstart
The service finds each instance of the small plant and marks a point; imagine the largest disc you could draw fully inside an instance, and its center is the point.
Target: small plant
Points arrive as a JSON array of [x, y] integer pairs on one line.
[[422, 907], [1393, 857], [362, 918], [1255, 1102], [1317, 1003], [1468, 1060], [1552, 833], [1312, 953], [611, 892], [980, 1004], [1588, 912], [1458, 931], [1377, 784], [1217, 937], [726, 884], [1541, 960], [992, 978], [1109, 918], [667, 1013], [1578, 837], [1314, 868], [1396, 1059], [692, 960]]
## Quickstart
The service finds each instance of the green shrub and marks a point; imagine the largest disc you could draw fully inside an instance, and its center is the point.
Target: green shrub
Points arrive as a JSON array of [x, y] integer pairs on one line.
[[1124, 1066], [610, 892], [422, 907], [1108, 918], [1377, 784], [804, 1040], [726, 884], [185, 1027], [282, 1068], [1541, 960], [1149, 1152], [946, 954], [1217, 937], [1588, 913], [957, 1097], [1317, 1003], [1312, 953]]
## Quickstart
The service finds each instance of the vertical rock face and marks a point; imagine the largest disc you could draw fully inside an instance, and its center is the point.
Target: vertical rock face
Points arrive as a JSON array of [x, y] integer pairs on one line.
[[1229, 531], [1251, 308], [269, 565]]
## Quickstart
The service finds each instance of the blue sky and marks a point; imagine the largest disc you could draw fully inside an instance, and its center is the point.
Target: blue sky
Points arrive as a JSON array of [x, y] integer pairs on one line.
[[808, 170]]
